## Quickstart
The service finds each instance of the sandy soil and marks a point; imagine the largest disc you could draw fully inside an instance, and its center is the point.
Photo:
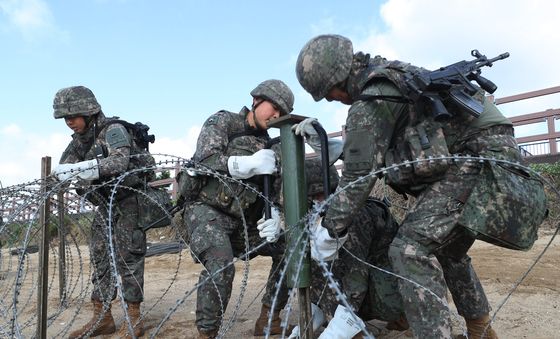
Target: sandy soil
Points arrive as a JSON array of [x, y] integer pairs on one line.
[[532, 311]]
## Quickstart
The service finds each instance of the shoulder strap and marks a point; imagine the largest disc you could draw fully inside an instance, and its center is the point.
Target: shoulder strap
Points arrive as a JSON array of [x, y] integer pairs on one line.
[[137, 131], [109, 122]]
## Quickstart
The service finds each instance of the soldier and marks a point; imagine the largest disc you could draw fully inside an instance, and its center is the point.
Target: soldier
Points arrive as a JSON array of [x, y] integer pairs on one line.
[[233, 143], [100, 151], [371, 293], [438, 231]]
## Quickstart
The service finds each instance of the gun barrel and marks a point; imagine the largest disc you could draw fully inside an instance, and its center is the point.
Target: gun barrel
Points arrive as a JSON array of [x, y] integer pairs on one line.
[[499, 57]]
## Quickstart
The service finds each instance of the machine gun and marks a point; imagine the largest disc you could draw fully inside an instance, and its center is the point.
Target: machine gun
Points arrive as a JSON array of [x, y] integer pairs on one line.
[[452, 84]]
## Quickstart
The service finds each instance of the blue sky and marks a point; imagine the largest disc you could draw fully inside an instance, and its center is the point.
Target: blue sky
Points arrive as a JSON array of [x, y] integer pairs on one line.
[[171, 64]]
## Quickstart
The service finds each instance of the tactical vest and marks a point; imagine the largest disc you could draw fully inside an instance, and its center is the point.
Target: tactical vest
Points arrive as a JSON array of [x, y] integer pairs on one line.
[[228, 195], [139, 158], [418, 138], [506, 206]]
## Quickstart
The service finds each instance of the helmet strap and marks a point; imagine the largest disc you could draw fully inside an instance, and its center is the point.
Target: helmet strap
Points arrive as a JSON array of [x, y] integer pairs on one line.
[[253, 109], [255, 105], [94, 127]]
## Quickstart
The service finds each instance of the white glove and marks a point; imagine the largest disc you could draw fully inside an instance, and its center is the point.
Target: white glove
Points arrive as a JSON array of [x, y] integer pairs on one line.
[[317, 320], [343, 325], [323, 247], [270, 228], [243, 167], [306, 129], [87, 170]]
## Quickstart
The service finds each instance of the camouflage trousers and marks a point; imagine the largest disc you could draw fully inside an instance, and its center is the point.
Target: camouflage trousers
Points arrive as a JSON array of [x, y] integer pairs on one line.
[[371, 293], [215, 239], [431, 250], [129, 244]]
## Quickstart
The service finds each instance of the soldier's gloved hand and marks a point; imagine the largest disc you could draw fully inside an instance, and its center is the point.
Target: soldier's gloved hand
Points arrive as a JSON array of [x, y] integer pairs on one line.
[[306, 129], [323, 246], [317, 320], [246, 166], [87, 170], [270, 229], [342, 325]]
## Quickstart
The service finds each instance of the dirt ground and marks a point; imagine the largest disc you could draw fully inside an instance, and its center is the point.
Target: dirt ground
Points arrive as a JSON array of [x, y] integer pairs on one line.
[[532, 311]]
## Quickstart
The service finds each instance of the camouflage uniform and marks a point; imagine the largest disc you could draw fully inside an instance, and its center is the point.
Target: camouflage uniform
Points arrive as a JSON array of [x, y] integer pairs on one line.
[[431, 245], [429, 232], [216, 232], [370, 292], [129, 239]]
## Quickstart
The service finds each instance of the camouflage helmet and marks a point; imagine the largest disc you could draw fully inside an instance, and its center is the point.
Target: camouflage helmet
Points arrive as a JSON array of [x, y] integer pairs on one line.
[[314, 177], [75, 101], [277, 92], [323, 62]]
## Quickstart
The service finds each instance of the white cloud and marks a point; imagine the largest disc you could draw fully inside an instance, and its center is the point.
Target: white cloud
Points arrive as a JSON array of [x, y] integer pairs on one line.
[[11, 130], [183, 147], [22, 151], [433, 33], [32, 18]]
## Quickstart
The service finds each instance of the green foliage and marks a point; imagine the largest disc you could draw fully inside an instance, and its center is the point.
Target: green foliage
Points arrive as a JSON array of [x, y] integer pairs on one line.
[[12, 234], [550, 170], [165, 174]]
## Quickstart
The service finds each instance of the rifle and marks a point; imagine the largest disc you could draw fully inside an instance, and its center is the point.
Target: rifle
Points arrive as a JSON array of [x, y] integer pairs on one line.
[[452, 84]]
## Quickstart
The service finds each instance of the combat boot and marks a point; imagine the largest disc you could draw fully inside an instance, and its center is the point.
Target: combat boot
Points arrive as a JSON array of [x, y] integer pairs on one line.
[[101, 322], [133, 309], [477, 327], [207, 334], [262, 323]]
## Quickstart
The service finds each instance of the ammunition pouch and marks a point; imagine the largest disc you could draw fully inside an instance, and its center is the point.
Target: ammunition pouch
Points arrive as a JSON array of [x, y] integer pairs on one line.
[[424, 145], [189, 186], [506, 208], [154, 207], [229, 197]]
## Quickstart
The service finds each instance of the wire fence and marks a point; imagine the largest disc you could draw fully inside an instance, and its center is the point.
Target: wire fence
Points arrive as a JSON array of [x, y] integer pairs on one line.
[[68, 225]]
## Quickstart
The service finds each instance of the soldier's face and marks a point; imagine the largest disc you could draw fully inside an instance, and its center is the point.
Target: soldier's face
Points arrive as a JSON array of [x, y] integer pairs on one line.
[[76, 124], [264, 113], [337, 94]]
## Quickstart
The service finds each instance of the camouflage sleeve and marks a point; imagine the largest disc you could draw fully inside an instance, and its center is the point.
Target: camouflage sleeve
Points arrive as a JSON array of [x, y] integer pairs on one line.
[[211, 146], [116, 140], [369, 129], [70, 156]]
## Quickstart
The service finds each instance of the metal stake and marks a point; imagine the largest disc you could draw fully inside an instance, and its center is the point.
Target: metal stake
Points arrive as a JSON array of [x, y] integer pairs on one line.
[[295, 208], [43, 284], [61, 249]]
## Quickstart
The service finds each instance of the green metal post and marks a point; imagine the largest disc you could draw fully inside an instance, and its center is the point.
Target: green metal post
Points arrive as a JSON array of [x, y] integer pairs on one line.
[[295, 208]]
